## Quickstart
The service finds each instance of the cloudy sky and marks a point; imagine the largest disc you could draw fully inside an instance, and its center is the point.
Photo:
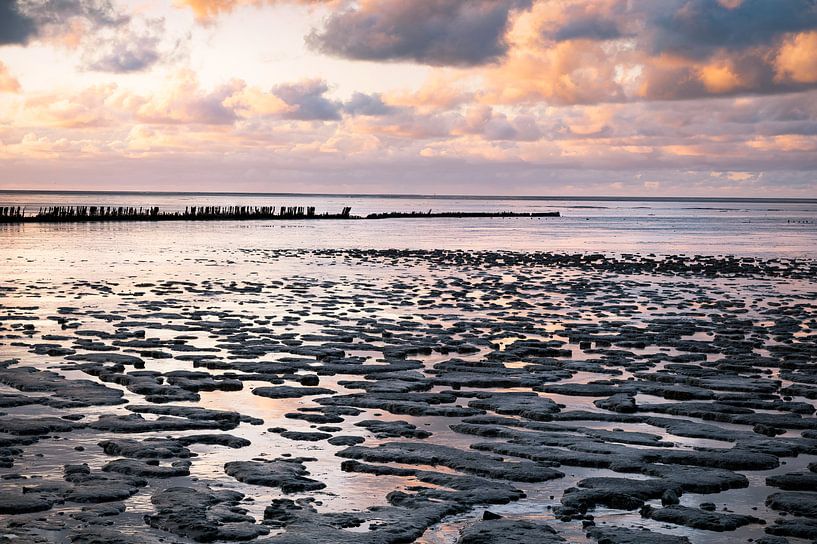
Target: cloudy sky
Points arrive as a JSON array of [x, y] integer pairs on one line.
[[579, 97]]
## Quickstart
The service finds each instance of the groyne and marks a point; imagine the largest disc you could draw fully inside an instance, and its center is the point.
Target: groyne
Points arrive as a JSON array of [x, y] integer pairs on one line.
[[81, 214], [87, 214], [457, 215]]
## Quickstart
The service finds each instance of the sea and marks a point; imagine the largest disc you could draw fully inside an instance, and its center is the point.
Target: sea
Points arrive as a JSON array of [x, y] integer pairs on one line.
[[73, 282], [766, 228]]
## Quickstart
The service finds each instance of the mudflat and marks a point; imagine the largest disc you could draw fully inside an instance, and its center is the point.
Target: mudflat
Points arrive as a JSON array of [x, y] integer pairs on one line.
[[391, 396]]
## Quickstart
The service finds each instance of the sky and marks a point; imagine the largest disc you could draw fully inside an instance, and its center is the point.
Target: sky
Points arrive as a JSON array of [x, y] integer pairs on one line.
[[512, 97]]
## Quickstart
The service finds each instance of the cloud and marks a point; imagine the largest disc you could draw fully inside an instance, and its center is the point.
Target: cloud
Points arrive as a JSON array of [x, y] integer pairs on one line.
[[15, 28], [408, 125], [583, 52], [8, 83], [442, 90], [699, 28], [307, 102], [234, 127], [252, 102], [97, 12], [367, 104], [589, 28], [483, 121], [61, 21], [127, 49], [206, 11], [567, 72], [756, 71], [184, 102], [110, 40], [599, 20], [555, 89], [735, 176], [92, 108], [688, 28], [797, 59], [435, 32]]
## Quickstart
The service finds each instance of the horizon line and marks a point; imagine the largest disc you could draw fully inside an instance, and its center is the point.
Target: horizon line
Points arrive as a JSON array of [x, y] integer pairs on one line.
[[422, 195]]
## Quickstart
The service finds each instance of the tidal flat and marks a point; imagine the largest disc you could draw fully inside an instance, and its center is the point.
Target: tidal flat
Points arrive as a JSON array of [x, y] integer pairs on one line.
[[393, 396]]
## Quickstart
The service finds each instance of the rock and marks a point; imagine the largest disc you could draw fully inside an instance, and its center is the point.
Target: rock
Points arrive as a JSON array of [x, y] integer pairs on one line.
[[771, 540], [465, 461], [305, 436], [698, 479], [135, 423], [617, 493], [412, 404], [669, 498], [97, 514], [795, 528], [466, 491], [508, 532], [620, 402], [12, 503], [151, 448], [390, 524], [309, 380], [287, 474], [621, 535], [527, 405], [103, 535], [226, 440], [318, 419], [699, 519], [287, 392], [226, 418], [392, 429], [76, 393], [140, 468], [118, 358], [346, 440], [795, 481], [767, 430], [203, 516], [794, 502], [93, 487], [36, 426]]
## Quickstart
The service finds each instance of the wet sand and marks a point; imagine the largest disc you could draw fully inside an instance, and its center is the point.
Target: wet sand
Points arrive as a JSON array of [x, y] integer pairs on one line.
[[385, 396]]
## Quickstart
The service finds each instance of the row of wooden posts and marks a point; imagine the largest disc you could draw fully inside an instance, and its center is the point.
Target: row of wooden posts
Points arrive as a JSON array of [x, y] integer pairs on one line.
[[96, 212], [13, 214], [76, 214]]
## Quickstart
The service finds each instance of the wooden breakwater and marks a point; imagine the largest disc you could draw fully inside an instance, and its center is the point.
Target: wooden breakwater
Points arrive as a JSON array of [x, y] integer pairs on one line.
[[458, 215], [80, 214], [86, 214], [11, 214]]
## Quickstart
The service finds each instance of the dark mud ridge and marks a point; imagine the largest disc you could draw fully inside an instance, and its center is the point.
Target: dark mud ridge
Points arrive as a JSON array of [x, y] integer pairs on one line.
[[388, 397]]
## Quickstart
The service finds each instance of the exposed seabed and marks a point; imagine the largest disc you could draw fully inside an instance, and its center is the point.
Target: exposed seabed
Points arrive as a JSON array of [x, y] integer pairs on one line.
[[399, 396]]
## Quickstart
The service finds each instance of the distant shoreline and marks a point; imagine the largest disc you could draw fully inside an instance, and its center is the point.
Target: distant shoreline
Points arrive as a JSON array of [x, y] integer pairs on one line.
[[546, 198]]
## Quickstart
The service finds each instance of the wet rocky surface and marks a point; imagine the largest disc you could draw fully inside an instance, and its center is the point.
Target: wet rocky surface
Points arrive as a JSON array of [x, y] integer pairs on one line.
[[397, 396]]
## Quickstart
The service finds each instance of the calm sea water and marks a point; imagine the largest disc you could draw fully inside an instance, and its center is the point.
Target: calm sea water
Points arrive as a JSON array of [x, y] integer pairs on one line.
[[748, 227]]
